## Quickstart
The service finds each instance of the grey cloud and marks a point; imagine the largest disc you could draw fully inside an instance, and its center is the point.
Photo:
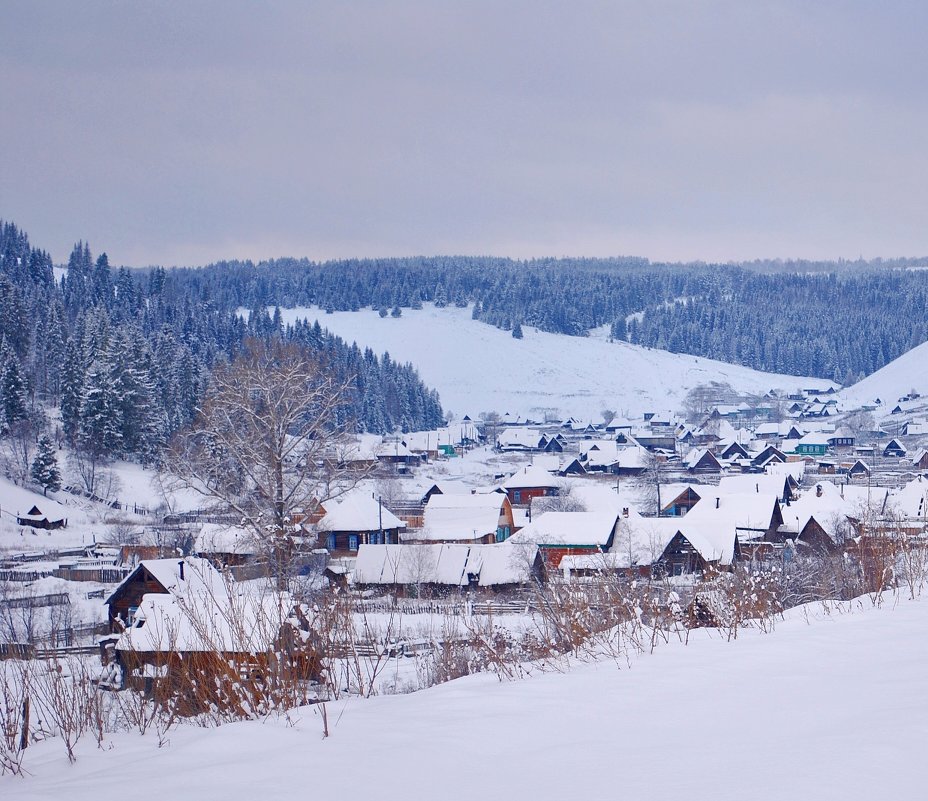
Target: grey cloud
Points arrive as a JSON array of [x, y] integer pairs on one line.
[[187, 132]]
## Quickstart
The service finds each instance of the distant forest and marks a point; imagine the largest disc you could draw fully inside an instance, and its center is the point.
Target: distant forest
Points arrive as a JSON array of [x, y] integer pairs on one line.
[[123, 356], [835, 320]]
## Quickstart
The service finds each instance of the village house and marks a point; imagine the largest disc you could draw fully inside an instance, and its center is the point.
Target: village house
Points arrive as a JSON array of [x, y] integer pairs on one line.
[[814, 444], [702, 461], [530, 482], [920, 459], [465, 518], [356, 520], [438, 568], [160, 576], [194, 647], [894, 448], [558, 534], [36, 518]]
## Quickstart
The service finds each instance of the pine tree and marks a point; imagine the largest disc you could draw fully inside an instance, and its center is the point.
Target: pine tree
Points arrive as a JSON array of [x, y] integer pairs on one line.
[[45, 466], [517, 331]]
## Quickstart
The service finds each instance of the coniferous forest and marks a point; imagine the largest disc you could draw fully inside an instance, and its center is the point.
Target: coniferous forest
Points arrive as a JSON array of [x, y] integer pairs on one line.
[[125, 353], [835, 320]]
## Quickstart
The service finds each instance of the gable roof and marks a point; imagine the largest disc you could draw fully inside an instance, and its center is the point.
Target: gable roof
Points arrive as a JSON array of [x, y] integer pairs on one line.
[[359, 512], [531, 476], [245, 622], [461, 517], [583, 529], [441, 563], [199, 576]]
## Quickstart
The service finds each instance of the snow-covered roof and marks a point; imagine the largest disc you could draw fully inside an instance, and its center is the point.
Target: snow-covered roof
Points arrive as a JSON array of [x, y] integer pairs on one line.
[[443, 563], [569, 528], [696, 455], [531, 476], [199, 576], [519, 438], [461, 517], [393, 448], [246, 622], [912, 499], [712, 525], [814, 438], [222, 538], [769, 484], [359, 511], [641, 540], [826, 504], [795, 469]]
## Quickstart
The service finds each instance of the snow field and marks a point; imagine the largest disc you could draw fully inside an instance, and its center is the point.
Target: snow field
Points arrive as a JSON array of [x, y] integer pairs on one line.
[[828, 706], [476, 367]]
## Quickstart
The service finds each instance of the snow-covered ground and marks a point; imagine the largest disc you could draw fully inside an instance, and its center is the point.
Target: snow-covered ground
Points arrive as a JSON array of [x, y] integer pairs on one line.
[[895, 380], [825, 707], [476, 367]]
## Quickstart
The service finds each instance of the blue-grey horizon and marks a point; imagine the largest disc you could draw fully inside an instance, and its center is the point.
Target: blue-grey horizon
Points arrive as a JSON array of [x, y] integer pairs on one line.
[[170, 133]]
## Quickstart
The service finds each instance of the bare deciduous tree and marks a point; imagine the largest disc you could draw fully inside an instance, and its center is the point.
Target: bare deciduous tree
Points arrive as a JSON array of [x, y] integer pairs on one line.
[[266, 438]]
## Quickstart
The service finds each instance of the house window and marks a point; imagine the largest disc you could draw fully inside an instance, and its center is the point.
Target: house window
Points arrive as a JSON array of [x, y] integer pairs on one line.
[[517, 496], [331, 542], [353, 542], [502, 533], [376, 537]]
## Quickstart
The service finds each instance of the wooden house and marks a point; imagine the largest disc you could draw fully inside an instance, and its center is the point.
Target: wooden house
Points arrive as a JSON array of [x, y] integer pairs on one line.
[[813, 444], [702, 461], [733, 450], [894, 448], [473, 518], [558, 534], [842, 438], [767, 455], [694, 552], [358, 519], [530, 482], [160, 576], [857, 469], [205, 650], [35, 518], [920, 459]]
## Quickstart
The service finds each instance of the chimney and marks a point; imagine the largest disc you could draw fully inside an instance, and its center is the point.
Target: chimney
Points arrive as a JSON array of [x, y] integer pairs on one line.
[[717, 501], [757, 488], [818, 490], [180, 565], [624, 511]]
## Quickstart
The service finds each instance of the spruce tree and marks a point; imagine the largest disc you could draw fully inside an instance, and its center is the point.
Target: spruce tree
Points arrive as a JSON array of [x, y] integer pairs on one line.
[[45, 466], [12, 390]]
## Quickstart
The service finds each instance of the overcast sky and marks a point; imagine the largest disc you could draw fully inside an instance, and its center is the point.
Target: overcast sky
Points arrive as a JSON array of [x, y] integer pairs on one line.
[[181, 133]]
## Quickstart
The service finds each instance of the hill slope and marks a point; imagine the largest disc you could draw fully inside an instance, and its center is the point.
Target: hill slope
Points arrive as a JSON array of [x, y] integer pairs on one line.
[[476, 367], [896, 379]]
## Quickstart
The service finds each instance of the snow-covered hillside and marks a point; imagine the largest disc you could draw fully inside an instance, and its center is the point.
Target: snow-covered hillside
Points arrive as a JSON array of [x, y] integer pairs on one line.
[[476, 367], [825, 707], [895, 380]]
